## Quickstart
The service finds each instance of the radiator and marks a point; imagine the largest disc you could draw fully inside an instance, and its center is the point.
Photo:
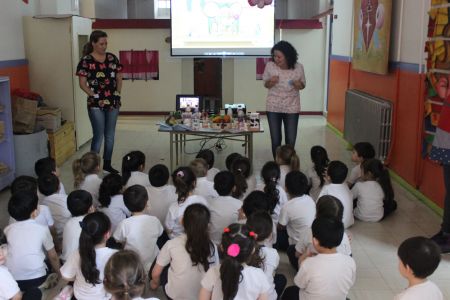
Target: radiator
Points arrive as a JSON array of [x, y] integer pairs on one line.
[[368, 119]]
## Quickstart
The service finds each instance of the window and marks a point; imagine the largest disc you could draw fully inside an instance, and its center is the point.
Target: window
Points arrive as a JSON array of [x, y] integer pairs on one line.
[[140, 64], [162, 9]]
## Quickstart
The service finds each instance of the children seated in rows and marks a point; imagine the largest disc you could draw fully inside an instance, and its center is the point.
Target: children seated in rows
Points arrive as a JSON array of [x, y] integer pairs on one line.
[[133, 165], [337, 187], [361, 152], [203, 187], [208, 156], [316, 174], [224, 208], [85, 173], [288, 160]]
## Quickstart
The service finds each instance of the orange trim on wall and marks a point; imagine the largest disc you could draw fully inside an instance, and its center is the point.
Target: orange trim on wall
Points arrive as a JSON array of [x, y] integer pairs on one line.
[[18, 76], [338, 85]]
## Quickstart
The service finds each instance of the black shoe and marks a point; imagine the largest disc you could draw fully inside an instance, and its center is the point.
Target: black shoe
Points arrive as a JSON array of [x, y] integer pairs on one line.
[[108, 168]]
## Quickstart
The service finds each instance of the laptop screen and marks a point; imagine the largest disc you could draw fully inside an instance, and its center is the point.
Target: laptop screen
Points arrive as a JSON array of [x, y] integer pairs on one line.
[[184, 101]]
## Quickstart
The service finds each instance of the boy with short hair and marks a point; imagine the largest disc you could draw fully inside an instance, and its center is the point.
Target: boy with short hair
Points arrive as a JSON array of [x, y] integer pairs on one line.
[[140, 231], [79, 203], [224, 208], [419, 258], [208, 156], [361, 151], [203, 187], [27, 241], [336, 186], [327, 275], [56, 202], [46, 166]]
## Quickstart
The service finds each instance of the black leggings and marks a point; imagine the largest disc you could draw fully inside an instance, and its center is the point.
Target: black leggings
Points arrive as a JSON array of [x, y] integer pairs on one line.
[[446, 216]]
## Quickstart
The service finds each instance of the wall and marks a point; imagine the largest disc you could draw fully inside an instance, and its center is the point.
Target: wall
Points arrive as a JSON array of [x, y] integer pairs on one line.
[[111, 9], [403, 86]]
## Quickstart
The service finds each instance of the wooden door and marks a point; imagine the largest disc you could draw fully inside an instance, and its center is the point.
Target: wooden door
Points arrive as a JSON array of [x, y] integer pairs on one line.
[[208, 77]]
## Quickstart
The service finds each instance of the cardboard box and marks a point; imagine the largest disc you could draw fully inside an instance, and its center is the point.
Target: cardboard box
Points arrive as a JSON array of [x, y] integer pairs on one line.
[[62, 143], [49, 118]]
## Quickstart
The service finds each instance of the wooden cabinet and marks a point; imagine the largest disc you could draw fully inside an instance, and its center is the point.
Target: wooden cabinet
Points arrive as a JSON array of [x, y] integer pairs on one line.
[[62, 143], [7, 162]]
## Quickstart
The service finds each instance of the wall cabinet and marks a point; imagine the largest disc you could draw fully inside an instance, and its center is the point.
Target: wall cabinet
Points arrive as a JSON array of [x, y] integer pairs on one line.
[[7, 162]]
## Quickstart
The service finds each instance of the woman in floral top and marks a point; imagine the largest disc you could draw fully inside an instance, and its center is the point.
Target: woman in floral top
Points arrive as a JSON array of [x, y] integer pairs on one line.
[[100, 78], [284, 77]]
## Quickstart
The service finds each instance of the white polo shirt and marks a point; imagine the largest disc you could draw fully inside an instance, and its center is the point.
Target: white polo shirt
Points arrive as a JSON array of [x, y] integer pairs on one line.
[[160, 199], [343, 193], [425, 290], [44, 217], [71, 237], [224, 211], [370, 206], [138, 177], [205, 188], [116, 211], [57, 204], [8, 286], [91, 184]]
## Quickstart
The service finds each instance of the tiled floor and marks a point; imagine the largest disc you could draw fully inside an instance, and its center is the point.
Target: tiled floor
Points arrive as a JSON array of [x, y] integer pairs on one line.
[[374, 246]]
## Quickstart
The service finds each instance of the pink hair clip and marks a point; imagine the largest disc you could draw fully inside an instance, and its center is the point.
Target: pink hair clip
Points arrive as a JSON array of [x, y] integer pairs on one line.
[[233, 250], [180, 174], [252, 234]]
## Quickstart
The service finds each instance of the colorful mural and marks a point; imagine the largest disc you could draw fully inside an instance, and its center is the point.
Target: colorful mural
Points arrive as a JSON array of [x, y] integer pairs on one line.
[[372, 26]]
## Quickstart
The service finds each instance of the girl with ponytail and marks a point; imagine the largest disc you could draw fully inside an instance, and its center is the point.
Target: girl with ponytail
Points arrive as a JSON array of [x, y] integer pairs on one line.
[[374, 194], [239, 275], [270, 173], [85, 172], [316, 174], [288, 160], [125, 276], [111, 200], [133, 165], [184, 181], [244, 180], [85, 267], [190, 255]]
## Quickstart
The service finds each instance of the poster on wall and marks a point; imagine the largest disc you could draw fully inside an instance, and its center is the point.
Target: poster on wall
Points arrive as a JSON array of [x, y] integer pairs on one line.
[[372, 28]]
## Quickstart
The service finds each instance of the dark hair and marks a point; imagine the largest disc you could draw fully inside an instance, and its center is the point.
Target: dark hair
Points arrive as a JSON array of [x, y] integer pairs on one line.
[[421, 254], [24, 183], [93, 38], [3, 239], [199, 167], [224, 183], [87, 164], [256, 201], [131, 163], [158, 175], [135, 198], [124, 275], [111, 185], [296, 184], [208, 156], [330, 207], [378, 172], [329, 232], [44, 166], [288, 51], [79, 202], [261, 223], [241, 169], [337, 171], [22, 204], [364, 150], [196, 220], [93, 229], [230, 159], [48, 184], [320, 159], [231, 266], [184, 181], [286, 155], [270, 174]]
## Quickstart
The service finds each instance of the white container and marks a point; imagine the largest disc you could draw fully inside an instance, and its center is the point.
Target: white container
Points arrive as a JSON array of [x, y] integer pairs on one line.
[[254, 121], [59, 7]]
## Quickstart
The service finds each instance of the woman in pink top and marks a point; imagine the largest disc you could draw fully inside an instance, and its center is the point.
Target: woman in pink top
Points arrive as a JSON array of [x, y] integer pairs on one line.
[[284, 77]]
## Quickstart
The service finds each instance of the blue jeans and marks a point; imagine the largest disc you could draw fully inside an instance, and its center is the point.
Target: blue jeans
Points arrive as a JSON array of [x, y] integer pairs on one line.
[[103, 125], [290, 121]]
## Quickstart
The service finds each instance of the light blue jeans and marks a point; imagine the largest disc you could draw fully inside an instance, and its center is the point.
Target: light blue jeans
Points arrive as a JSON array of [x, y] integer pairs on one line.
[[103, 125]]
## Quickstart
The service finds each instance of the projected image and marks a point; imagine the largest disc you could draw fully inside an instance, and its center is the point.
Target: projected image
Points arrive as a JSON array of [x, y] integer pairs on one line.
[[191, 102], [221, 27]]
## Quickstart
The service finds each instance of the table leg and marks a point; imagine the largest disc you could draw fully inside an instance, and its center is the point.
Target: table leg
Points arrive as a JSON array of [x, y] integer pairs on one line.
[[176, 150], [171, 151], [250, 148]]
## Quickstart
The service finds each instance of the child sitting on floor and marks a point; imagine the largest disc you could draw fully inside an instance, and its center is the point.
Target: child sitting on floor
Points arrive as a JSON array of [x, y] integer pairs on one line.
[[208, 156], [361, 151], [133, 165]]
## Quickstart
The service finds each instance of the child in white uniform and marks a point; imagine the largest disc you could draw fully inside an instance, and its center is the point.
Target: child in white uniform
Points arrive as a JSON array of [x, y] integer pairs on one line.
[[316, 174], [8, 286], [85, 172], [327, 207], [208, 156], [140, 231], [86, 266], [79, 203], [298, 213], [184, 181], [288, 160], [374, 194], [238, 279], [29, 243], [204, 187], [133, 165], [190, 255], [111, 200], [45, 166], [125, 276], [419, 258], [224, 208], [244, 179], [327, 275], [56, 202], [337, 187], [361, 151], [261, 223]]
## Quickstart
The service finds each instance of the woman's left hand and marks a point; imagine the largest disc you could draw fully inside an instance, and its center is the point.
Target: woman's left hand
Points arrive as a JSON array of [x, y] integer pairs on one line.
[[298, 84]]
